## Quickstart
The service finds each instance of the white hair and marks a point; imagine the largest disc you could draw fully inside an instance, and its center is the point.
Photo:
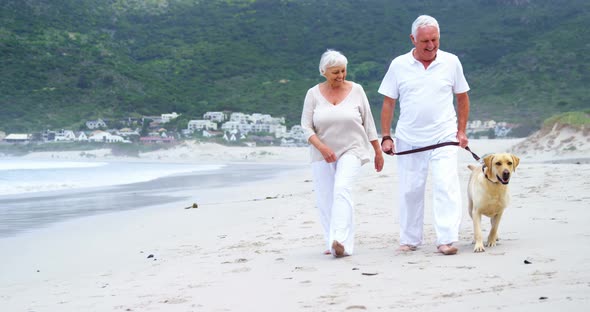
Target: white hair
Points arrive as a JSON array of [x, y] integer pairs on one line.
[[422, 21], [332, 58]]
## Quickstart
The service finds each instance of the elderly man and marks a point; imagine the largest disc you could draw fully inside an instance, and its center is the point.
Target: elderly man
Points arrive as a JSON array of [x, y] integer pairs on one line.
[[424, 82]]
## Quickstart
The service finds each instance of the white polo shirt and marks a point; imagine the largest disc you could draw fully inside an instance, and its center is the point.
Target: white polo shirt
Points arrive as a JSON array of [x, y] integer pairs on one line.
[[425, 96]]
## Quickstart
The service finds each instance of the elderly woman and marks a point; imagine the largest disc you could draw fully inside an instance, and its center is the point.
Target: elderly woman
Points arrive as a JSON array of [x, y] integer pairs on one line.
[[339, 126]]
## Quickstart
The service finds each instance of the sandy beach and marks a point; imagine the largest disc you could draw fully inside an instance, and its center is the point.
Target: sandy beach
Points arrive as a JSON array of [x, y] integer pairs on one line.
[[258, 247]]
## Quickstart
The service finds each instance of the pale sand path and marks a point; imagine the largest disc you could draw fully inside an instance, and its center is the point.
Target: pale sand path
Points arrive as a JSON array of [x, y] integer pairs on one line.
[[259, 248]]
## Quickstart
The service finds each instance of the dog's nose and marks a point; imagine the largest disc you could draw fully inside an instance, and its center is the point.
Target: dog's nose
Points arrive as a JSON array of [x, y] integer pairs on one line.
[[505, 175]]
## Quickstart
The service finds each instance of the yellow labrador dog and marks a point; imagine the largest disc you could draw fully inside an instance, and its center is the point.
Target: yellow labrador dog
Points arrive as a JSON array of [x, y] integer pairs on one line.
[[487, 194]]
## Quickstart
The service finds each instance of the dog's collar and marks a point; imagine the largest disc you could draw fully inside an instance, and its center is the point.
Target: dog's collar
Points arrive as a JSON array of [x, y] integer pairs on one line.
[[483, 169]]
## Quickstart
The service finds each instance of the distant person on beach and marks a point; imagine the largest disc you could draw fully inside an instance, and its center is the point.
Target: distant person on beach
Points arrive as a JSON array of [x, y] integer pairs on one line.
[[425, 80], [339, 125]]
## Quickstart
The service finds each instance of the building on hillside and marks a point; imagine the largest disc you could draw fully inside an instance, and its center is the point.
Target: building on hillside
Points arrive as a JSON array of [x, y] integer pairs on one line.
[[96, 124], [81, 136], [502, 129], [44, 136], [267, 119], [65, 136], [215, 116], [238, 126], [197, 125], [278, 129], [261, 118], [294, 137], [105, 137], [167, 117], [17, 138], [239, 117]]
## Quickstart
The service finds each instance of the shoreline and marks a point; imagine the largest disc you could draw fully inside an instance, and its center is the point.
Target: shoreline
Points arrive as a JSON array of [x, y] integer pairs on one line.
[[30, 211]]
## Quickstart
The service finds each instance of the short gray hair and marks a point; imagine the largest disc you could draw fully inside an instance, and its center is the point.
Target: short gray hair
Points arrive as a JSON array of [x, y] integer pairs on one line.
[[422, 21], [332, 58]]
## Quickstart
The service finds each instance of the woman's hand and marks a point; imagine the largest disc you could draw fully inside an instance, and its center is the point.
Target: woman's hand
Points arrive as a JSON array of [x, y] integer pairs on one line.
[[379, 161], [328, 154]]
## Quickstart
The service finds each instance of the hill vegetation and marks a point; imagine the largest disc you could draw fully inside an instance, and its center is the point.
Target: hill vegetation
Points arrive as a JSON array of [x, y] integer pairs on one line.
[[573, 119], [64, 62]]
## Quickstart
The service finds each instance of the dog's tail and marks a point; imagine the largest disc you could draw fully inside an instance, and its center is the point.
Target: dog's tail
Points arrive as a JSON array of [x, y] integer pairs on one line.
[[472, 167]]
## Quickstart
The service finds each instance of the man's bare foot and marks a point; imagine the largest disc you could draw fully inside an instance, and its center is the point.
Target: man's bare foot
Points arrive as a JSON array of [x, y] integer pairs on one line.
[[338, 249], [406, 248], [447, 249], [327, 252]]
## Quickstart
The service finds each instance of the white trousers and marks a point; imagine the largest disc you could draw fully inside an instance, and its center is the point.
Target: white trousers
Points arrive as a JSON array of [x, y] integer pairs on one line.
[[333, 184], [446, 194]]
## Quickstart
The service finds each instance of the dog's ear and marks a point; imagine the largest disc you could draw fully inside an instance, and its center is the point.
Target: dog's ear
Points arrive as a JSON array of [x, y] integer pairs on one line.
[[515, 162], [487, 161]]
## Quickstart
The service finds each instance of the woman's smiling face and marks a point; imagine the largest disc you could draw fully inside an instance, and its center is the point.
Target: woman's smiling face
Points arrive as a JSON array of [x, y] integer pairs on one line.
[[335, 75]]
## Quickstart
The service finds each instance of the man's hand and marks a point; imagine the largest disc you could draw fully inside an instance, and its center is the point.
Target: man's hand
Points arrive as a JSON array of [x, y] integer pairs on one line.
[[388, 147], [462, 138]]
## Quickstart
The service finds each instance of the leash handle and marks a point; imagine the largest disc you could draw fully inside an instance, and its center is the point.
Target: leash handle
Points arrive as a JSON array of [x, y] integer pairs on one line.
[[472, 153], [429, 147]]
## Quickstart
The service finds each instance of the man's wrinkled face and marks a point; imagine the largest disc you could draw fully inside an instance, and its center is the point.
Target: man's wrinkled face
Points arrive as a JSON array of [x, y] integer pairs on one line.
[[426, 43]]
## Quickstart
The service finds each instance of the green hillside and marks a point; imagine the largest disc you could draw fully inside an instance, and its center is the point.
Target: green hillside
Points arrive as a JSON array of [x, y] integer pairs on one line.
[[67, 61]]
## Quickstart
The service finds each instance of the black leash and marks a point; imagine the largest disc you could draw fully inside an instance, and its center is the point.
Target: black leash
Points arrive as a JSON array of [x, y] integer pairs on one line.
[[429, 147]]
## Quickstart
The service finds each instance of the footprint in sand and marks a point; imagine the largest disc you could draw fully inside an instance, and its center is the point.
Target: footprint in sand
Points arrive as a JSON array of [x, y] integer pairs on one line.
[[356, 307], [241, 270], [304, 269], [175, 300]]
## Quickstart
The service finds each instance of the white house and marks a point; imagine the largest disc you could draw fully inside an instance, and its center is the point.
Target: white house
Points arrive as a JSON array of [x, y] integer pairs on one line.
[[297, 134], [17, 138], [81, 137], [167, 117], [194, 125], [261, 118], [127, 132], [215, 116], [65, 135], [239, 117], [476, 126], [279, 130], [261, 127], [101, 136], [243, 127], [96, 124], [266, 118]]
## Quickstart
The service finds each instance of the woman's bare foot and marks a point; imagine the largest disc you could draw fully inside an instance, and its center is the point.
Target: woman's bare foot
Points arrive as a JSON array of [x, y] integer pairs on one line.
[[338, 249], [406, 248], [447, 249]]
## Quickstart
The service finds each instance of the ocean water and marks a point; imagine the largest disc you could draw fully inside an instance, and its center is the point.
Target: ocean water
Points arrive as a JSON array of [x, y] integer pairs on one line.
[[36, 194], [21, 176]]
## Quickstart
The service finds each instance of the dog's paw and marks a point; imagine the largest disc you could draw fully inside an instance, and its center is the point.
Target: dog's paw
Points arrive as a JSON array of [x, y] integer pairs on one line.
[[491, 242], [479, 247]]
